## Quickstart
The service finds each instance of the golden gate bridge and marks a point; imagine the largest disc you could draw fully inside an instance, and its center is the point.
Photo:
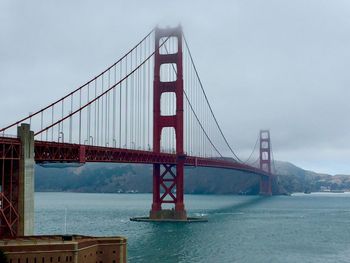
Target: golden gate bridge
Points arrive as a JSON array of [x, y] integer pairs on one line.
[[149, 107]]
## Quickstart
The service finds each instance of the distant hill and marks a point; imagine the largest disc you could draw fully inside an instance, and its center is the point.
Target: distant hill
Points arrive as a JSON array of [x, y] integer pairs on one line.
[[112, 178], [295, 179]]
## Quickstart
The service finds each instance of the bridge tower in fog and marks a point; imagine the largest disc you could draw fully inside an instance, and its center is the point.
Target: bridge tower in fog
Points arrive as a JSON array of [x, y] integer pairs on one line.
[[265, 163], [168, 179]]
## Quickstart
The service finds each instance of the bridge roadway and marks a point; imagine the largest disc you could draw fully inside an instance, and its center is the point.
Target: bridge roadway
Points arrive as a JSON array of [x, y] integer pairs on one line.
[[54, 152]]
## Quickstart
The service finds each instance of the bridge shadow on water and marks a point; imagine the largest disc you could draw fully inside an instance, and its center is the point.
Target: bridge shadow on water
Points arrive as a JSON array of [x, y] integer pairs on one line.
[[184, 242], [246, 202]]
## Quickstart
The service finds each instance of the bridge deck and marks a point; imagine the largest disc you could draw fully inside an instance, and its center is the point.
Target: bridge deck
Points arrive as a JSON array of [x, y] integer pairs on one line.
[[54, 152]]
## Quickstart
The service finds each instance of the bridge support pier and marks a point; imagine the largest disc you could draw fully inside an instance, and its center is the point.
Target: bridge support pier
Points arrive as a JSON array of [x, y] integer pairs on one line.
[[265, 185], [17, 184], [265, 163], [168, 188], [26, 182]]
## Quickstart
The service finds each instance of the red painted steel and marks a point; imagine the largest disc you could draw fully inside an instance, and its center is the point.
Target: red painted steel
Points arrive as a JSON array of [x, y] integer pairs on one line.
[[10, 154], [162, 191], [51, 152], [265, 163], [54, 152]]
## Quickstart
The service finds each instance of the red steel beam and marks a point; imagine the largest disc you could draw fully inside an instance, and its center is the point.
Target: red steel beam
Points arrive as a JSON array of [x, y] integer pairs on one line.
[[46, 152], [53, 152], [10, 154]]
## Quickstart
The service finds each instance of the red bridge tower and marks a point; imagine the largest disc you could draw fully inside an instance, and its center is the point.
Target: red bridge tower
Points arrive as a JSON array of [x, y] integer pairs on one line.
[[168, 179], [265, 163]]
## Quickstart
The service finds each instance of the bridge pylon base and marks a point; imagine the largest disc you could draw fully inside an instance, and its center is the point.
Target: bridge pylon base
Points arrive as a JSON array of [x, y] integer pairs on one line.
[[170, 220], [168, 189], [168, 214], [265, 185]]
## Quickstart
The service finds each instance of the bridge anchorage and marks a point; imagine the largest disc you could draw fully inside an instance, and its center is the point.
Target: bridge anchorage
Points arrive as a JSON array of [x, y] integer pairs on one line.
[[149, 107]]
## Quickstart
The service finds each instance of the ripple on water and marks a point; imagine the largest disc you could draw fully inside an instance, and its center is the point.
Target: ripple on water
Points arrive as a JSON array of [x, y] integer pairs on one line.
[[300, 228]]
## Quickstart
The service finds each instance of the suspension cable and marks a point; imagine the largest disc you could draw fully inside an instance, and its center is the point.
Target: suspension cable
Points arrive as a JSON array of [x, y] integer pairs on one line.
[[104, 92], [79, 88], [206, 98], [192, 109], [251, 154]]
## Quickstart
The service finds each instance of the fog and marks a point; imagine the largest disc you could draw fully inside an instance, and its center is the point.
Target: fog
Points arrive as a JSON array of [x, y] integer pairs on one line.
[[272, 64]]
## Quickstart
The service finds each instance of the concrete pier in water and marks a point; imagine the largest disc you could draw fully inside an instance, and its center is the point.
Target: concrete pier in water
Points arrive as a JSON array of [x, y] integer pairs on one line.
[[26, 181]]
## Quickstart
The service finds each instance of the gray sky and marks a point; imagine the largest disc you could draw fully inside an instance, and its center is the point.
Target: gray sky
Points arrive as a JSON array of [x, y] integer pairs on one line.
[[282, 65]]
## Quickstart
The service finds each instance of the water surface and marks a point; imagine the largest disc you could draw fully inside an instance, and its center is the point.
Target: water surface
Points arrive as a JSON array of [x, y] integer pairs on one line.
[[298, 228]]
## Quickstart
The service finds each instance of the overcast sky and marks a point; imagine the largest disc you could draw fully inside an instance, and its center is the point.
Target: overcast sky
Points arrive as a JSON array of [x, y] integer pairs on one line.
[[276, 64]]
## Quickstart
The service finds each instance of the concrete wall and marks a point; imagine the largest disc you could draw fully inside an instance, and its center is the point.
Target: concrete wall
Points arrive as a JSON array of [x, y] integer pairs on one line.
[[26, 181], [43, 249]]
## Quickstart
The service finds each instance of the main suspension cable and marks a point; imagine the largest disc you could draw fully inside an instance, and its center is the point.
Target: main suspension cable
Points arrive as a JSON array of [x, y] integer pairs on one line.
[[206, 98], [194, 113], [79, 88], [103, 93], [251, 154]]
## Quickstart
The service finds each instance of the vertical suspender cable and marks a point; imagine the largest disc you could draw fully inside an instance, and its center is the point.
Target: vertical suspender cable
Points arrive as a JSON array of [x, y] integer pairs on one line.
[[95, 119], [71, 120], [42, 124], [120, 106], [102, 112], [108, 96], [149, 98], [61, 123], [132, 104], [126, 104], [88, 115], [80, 117], [52, 120], [137, 73], [144, 98], [98, 121], [114, 106]]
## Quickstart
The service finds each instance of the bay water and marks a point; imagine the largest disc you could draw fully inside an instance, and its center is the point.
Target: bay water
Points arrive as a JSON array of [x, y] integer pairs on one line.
[[299, 228]]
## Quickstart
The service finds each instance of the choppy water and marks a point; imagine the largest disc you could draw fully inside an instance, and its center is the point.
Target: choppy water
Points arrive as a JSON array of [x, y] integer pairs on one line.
[[298, 228]]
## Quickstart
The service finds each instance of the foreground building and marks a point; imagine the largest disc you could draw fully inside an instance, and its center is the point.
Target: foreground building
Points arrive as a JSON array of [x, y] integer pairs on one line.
[[67, 248]]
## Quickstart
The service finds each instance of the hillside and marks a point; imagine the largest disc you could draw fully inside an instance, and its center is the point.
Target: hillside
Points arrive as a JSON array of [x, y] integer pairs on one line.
[[111, 178], [295, 179]]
